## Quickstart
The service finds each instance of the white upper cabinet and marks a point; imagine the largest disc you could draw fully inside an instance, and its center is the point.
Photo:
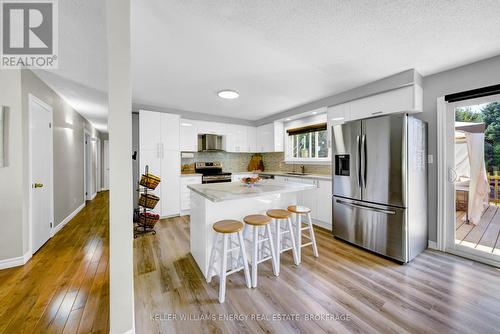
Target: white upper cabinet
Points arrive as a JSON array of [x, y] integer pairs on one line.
[[339, 114], [189, 135], [236, 138], [170, 133], [213, 128], [407, 99], [251, 139], [149, 130], [270, 137]]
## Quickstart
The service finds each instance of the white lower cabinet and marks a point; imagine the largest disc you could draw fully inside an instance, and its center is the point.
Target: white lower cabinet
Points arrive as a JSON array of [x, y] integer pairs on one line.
[[185, 195], [319, 199]]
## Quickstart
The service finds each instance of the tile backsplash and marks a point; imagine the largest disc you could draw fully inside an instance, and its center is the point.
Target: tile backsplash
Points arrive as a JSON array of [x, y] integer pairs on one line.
[[238, 162]]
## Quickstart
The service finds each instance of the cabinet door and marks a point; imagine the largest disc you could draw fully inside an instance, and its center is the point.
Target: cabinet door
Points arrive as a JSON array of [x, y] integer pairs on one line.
[[235, 138], [170, 124], [149, 130], [398, 100], [212, 128], [170, 181], [188, 136], [251, 139], [324, 207], [265, 138], [278, 136]]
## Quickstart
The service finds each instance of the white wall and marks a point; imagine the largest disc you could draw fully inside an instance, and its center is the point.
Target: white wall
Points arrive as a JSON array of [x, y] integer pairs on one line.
[[475, 75], [12, 200]]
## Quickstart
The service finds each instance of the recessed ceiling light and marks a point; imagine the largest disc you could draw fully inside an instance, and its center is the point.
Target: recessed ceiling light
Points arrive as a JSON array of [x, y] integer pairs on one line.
[[228, 94], [288, 119], [314, 112]]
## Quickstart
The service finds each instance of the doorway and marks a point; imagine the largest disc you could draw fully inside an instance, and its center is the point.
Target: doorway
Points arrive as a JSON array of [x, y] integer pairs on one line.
[[472, 171], [41, 199]]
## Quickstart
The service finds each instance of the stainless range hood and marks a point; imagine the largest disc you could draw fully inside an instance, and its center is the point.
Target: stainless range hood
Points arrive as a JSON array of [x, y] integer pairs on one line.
[[209, 142]]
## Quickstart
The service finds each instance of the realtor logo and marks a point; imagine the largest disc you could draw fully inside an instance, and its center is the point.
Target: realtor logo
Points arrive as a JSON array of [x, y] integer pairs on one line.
[[29, 34]]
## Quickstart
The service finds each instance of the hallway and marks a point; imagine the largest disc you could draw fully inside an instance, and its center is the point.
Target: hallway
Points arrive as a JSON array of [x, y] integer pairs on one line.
[[64, 288]]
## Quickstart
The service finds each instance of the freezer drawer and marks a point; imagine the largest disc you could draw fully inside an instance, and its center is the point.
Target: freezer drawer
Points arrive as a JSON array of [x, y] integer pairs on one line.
[[378, 228]]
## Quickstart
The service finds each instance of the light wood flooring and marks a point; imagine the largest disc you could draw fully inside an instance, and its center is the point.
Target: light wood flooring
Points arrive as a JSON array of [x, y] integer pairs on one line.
[[64, 288], [484, 236], [435, 293]]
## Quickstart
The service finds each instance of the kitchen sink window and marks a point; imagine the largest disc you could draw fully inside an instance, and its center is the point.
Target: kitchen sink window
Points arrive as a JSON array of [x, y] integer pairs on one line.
[[308, 144]]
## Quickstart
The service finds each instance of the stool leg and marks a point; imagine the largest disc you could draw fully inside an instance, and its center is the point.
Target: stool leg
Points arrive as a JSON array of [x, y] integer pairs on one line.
[[245, 260], [273, 253], [313, 238], [254, 256], [278, 245], [294, 246], [223, 269], [299, 237], [212, 258]]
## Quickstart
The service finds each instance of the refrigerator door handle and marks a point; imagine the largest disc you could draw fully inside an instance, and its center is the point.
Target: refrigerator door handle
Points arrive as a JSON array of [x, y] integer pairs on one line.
[[363, 173], [366, 207], [358, 161]]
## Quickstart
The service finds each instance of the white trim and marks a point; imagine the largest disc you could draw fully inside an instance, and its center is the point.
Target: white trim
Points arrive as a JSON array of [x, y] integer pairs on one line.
[[443, 230], [15, 261], [67, 219], [475, 255], [86, 192], [130, 331], [432, 245], [441, 173], [33, 99]]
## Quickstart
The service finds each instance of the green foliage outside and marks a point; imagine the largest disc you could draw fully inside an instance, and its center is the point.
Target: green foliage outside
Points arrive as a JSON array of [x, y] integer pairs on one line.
[[490, 115]]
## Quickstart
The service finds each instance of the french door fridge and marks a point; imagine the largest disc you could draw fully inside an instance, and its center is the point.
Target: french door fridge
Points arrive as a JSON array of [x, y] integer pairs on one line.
[[380, 185]]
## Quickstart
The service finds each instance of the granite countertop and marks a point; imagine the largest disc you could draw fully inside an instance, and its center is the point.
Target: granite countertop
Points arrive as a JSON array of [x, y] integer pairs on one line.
[[218, 192]]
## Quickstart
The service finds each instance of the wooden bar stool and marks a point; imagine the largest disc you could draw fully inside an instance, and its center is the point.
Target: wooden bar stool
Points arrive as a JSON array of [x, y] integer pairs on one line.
[[278, 215], [257, 221], [299, 211], [227, 229]]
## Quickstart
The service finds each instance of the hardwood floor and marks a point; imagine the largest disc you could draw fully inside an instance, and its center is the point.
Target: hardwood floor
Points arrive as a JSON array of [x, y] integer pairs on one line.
[[435, 293], [64, 288], [484, 236]]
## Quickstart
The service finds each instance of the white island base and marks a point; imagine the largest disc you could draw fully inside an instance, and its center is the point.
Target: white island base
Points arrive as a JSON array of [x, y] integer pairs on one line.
[[205, 212]]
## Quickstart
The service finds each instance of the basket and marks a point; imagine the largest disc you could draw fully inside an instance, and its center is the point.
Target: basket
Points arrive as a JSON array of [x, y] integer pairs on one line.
[[148, 220], [149, 181], [148, 201]]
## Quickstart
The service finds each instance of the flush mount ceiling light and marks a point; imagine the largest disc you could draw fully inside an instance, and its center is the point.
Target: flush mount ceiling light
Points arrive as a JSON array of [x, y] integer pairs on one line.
[[228, 94]]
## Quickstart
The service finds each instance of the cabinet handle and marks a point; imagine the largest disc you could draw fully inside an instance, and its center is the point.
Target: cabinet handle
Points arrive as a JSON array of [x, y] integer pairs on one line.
[[377, 112]]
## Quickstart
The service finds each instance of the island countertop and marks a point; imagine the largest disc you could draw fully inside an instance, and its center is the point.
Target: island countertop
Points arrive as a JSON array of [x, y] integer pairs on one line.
[[218, 192]]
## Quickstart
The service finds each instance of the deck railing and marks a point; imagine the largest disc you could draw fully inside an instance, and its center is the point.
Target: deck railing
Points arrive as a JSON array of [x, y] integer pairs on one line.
[[494, 180]]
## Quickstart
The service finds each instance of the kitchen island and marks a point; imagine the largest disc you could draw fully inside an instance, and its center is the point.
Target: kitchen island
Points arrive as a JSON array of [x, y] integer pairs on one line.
[[218, 201]]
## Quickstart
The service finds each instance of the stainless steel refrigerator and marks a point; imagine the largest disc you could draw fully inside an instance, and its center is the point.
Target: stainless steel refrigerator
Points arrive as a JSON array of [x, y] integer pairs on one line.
[[380, 185]]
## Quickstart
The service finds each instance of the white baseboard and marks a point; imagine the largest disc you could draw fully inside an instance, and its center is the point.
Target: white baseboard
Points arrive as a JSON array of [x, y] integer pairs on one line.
[[67, 219], [93, 196], [15, 261], [432, 245], [322, 224]]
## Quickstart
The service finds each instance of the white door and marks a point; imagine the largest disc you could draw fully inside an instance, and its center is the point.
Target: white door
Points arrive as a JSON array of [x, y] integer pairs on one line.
[[88, 166], [41, 208], [106, 164]]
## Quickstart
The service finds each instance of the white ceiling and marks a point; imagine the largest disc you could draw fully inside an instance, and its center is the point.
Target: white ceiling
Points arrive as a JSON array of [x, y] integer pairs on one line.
[[81, 78], [277, 54]]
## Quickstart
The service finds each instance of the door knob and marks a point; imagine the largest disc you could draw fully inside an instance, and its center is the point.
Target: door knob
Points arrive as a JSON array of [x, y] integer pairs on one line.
[[37, 185]]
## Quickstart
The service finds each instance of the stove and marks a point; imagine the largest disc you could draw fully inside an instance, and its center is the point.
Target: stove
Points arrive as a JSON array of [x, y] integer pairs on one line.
[[212, 172]]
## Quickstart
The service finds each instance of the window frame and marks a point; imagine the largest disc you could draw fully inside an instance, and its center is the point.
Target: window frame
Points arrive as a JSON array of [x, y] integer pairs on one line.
[[289, 158]]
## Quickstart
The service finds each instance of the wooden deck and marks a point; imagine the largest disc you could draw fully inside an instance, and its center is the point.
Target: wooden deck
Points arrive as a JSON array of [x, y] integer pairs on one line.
[[435, 293], [485, 236]]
